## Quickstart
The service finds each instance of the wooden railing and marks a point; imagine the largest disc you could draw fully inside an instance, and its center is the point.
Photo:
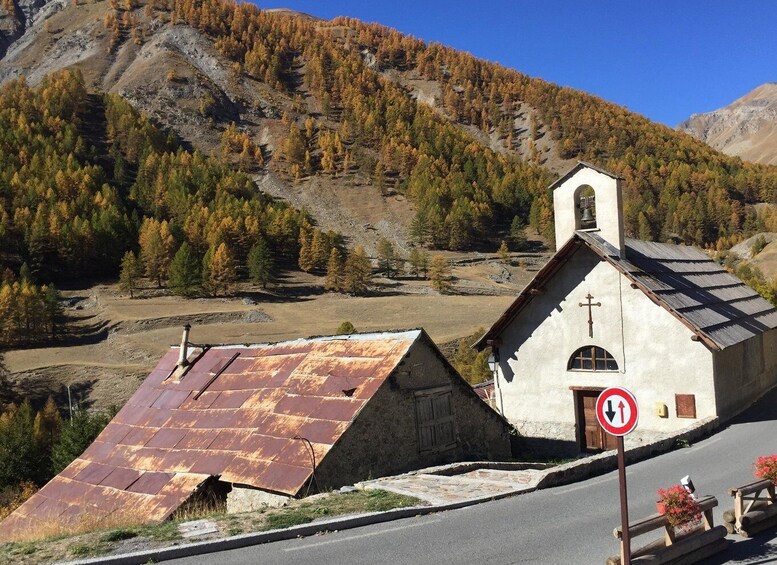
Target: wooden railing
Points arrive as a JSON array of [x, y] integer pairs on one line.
[[755, 508], [700, 542]]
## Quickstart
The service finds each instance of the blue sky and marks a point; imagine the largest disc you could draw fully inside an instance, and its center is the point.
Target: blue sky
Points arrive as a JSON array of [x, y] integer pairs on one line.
[[663, 59]]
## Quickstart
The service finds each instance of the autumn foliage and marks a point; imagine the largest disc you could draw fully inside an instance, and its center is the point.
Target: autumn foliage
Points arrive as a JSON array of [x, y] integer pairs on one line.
[[675, 186], [70, 209], [85, 179]]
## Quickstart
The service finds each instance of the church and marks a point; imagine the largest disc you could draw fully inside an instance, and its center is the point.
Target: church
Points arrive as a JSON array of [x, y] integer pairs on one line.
[[686, 337]]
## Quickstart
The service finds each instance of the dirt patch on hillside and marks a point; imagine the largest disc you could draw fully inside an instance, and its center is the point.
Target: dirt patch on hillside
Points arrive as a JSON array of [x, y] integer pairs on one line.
[[136, 326], [122, 339], [348, 205], [766, 258]]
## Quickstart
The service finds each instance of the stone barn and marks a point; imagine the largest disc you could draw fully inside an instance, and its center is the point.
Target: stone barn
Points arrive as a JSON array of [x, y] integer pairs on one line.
[[258, 424], [690, 340]]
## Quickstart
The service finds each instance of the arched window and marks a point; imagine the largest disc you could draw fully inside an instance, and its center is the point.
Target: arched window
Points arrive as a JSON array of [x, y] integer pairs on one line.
[[592, 358]]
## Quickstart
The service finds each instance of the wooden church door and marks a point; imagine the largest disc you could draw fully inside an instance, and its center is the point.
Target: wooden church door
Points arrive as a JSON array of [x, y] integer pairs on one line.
[[592, 436]]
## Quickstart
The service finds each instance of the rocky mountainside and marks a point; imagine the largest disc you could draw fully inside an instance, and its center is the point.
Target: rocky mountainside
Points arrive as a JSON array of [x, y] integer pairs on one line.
[[175, 75], [376, 134], [15, 19], [746, 128]]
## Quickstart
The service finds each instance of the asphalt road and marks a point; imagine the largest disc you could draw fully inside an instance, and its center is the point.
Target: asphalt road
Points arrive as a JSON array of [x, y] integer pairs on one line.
[[569, 524]]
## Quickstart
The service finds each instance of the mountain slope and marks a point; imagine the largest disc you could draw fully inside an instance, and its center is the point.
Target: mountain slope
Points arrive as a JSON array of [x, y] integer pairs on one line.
[[746, 128], [343, 106]]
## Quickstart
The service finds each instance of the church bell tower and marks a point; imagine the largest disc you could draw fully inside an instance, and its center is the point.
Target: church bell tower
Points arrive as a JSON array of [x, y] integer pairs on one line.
[[588, 198]]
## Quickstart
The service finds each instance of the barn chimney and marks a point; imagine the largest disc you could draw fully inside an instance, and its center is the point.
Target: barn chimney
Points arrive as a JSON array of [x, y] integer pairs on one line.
[[182, 358]]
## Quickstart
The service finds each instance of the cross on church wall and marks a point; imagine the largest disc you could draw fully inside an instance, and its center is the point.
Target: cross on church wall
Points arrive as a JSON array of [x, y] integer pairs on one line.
[[589, 304]]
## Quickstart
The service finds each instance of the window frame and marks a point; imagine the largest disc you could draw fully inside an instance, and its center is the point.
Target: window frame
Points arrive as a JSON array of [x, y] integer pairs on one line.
[[593, 350]]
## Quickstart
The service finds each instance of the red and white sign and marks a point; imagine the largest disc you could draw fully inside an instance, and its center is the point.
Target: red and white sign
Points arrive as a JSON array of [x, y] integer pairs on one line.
[[616, 411]]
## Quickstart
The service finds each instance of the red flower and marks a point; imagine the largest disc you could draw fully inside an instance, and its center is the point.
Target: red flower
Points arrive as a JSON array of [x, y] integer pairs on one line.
[[681, 508], [766, 468]]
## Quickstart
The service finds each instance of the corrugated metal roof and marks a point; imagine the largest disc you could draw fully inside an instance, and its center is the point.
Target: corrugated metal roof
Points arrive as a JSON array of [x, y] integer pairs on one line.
[[244, 426], [712, 302], [484, 390]]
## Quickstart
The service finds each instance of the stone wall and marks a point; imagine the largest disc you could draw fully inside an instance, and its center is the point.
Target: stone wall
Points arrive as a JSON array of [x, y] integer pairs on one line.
[[383, 439]]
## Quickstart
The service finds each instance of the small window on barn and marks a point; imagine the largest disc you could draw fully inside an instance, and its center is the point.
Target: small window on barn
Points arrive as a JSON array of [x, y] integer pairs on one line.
[[592, 358], [434, 417], [685, 405]]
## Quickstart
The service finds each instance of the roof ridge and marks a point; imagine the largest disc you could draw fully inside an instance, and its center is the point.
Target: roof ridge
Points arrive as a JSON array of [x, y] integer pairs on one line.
[[364, 336]]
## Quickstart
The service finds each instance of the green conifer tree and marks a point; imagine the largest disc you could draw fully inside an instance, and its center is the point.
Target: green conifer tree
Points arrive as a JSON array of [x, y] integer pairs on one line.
[[185, 277], [261, 265], [24, 272], [53, 308], [207, 262], [419, 262], [419, 228], [517, 234], [19, 452], [386, 257], [415, 261], [46, 430], [76, 436]]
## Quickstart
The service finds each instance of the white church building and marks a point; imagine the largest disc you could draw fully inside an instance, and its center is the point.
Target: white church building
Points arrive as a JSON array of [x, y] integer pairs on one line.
[[687, 338]]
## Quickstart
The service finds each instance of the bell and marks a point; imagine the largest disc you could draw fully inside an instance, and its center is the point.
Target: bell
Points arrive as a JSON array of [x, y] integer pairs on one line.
[[587, 216]]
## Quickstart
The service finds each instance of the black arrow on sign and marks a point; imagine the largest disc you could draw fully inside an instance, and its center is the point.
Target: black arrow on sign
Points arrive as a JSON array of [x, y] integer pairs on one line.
[[610, 413]]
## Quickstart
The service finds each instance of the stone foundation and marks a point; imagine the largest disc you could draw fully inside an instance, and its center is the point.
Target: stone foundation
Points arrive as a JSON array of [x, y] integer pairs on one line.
[[559, 440], [242, 499]]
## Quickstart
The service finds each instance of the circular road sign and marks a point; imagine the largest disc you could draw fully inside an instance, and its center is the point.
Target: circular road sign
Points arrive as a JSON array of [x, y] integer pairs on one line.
[[616, 411]]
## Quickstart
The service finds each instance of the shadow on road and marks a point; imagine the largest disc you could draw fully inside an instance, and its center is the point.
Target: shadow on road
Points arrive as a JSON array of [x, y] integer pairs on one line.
[[765, 410], [756, 550]]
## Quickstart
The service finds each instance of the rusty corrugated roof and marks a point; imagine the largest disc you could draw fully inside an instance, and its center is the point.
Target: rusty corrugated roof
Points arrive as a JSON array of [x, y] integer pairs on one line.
[[484, 390], [243, 425]]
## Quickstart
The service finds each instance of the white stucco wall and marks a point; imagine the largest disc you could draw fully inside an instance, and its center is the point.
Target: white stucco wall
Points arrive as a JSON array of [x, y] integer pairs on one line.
[[654, 351], [607, 191]]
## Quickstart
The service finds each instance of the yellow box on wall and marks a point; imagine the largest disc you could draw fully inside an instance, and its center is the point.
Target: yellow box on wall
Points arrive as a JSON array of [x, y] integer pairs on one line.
[[661, 410]]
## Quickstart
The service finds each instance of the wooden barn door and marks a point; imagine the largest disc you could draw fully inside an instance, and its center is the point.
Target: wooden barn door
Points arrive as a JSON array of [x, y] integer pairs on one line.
[[592, 436]]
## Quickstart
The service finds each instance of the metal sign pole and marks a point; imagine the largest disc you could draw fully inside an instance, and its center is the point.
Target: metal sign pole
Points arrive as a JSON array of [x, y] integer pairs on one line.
[[625, 535], [617, 413]]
